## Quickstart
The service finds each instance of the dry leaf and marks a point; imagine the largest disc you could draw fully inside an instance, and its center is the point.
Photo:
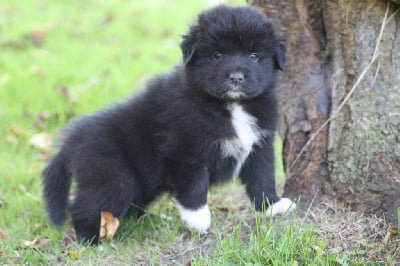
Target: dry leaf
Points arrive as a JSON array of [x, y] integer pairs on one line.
[[315, 248], [39, 226], [142, 218], [38, 242], [41, 118], [4, 255], [69, 238], [74, 255], [230, 208], [2, 203], [42, 141], [108, 226], [16, 131], [107, 19], [2, 235], [222, 208], [389, 235], [65, 92], [37, 37]]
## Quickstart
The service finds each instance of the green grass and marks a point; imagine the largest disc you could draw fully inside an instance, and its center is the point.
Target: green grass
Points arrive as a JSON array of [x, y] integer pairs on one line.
[[267, 242], [60, 59]]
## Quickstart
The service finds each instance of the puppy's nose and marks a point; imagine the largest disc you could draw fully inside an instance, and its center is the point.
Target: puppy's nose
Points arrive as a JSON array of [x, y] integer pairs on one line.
[[236, 77]]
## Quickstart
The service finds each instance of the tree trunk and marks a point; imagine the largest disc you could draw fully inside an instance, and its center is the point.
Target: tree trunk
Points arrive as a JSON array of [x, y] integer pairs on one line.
[[331, 46]]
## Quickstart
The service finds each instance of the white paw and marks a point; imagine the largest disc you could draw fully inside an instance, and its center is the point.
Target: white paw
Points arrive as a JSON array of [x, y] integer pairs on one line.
[[196, 220], [282, 206]]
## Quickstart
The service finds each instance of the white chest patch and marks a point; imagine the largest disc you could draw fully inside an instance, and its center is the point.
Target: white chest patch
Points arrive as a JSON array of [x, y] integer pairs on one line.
[[248, 133]]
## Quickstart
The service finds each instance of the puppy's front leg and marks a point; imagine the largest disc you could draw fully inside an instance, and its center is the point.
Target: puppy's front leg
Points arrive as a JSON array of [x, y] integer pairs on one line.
[[191, 201], [258, 174], [195, 219]]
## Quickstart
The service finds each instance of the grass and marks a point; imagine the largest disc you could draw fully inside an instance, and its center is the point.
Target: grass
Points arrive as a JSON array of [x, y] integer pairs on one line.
[[60, 59], [280, 242]]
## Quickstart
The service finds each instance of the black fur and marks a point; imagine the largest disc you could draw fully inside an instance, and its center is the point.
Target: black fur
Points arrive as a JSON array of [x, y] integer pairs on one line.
[[168, 138]]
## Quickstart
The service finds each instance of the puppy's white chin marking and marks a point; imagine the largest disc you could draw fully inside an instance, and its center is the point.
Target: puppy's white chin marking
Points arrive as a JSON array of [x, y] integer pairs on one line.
[[235, 95], [196, 220], [281, 206]]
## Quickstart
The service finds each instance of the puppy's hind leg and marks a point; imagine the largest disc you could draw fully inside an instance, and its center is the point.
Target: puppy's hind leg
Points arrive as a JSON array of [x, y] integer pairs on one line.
[[102, 185]]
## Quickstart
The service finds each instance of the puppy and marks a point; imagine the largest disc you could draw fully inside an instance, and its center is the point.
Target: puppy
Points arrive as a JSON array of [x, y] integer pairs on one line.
[[210, 119]]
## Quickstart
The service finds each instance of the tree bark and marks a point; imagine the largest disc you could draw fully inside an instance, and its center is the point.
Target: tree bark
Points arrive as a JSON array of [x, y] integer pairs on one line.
[[330, 44]]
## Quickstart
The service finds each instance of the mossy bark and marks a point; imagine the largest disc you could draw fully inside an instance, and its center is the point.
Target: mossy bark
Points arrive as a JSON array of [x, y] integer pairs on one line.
[[356, 157]]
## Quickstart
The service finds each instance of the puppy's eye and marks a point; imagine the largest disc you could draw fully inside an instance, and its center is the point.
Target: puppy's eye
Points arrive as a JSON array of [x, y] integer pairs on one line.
[[254, 56], [217, 55]]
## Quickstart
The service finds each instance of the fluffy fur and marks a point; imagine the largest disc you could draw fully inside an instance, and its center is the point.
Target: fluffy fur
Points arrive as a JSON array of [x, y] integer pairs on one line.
[[211, 118]]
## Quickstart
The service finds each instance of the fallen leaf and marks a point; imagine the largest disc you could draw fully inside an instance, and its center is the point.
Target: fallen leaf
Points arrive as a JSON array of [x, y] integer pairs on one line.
[[69, 238], [142, 218], [38, 242], [74, 255], [230, 208], [315, 248], [41, 118], [39, 226], [4, 255], [389, 235], [37, 37], [222, 208], [107, 19], [16, 131], [108, 226], [3, 203], [42, 141], [2, 235], [189, 263], [65, 92]]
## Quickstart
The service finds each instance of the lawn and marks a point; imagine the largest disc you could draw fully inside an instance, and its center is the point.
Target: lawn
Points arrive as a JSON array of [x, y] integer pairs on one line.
[[60, 59]]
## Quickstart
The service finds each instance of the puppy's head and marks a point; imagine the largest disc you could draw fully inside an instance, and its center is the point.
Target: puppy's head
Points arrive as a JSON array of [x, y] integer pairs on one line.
[[232, 53]]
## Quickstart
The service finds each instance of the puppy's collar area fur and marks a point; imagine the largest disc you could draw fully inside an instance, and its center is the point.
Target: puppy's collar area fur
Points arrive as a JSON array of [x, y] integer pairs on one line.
[[247, 132]]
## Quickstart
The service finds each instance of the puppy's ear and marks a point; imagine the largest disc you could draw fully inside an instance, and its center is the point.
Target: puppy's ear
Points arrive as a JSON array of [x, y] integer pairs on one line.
[[188, 44], [187, 48], [280, 56]]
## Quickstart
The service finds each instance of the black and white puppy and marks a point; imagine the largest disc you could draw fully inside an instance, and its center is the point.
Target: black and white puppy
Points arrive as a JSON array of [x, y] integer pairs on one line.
[[210, 119]]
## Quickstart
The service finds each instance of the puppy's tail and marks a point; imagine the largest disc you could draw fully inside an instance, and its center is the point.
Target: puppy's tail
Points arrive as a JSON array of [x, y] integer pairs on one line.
[[56, 183]]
